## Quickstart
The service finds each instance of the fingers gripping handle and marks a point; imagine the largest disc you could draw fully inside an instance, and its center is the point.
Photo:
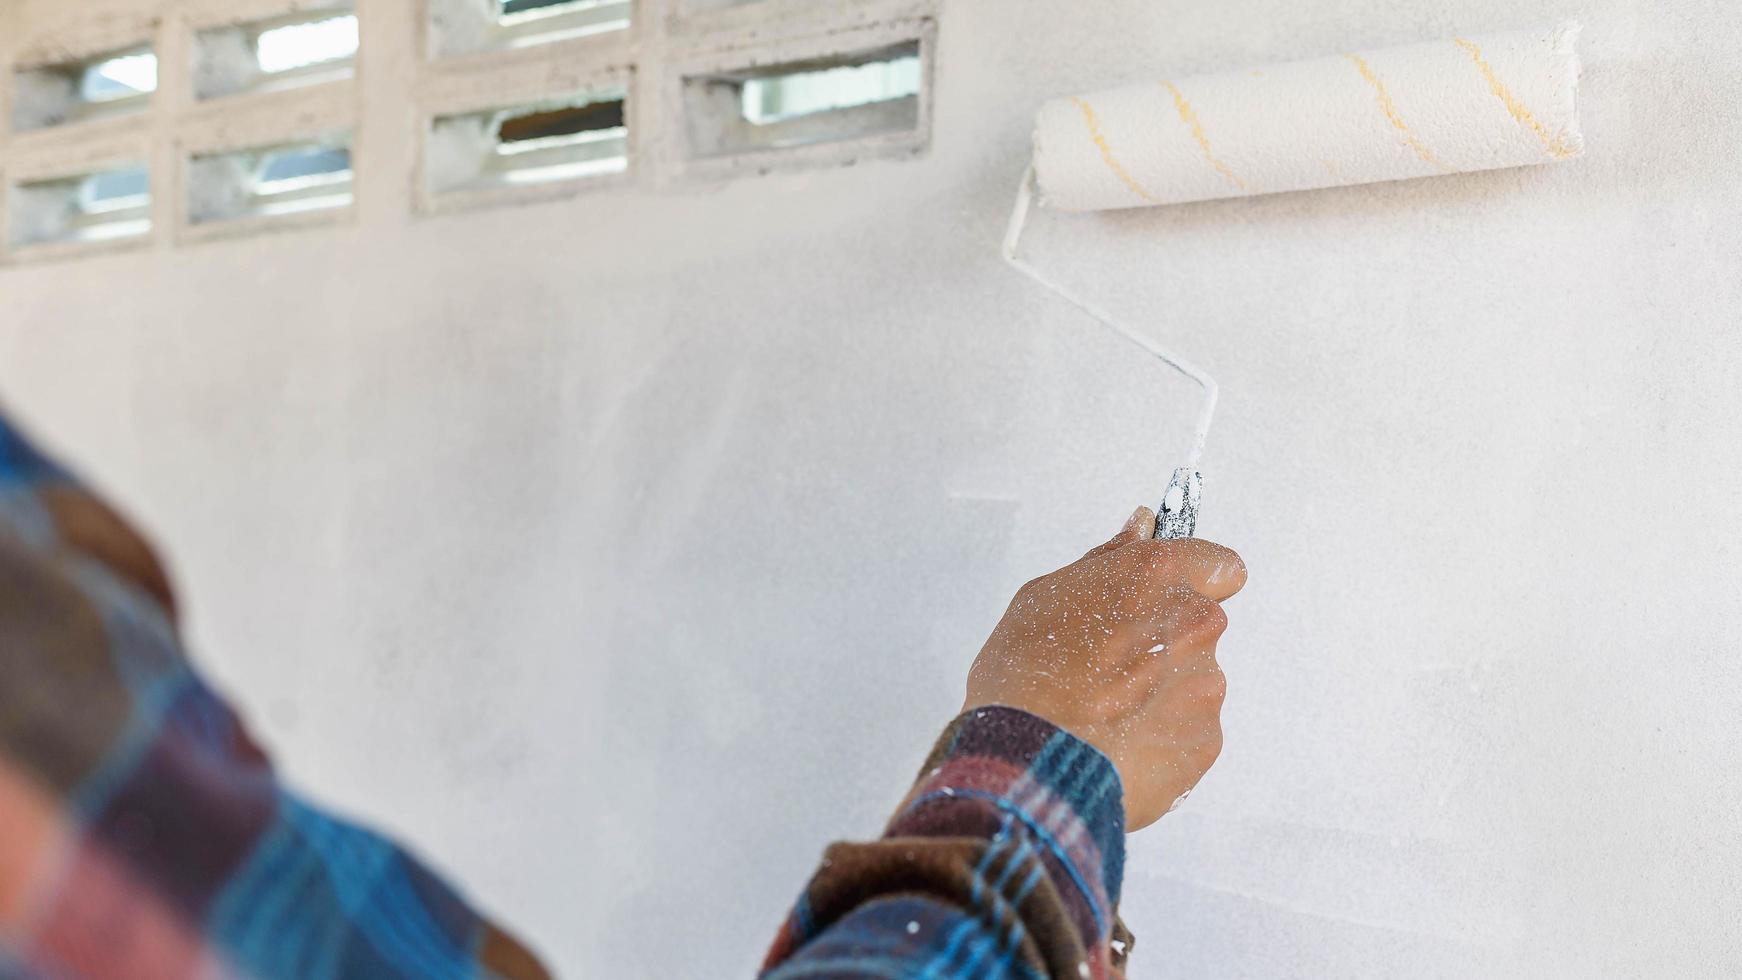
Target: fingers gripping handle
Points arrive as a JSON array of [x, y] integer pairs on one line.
[[1177, 517]]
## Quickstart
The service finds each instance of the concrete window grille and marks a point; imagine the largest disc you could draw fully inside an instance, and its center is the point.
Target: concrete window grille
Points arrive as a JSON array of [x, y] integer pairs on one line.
[[549, 141], [113, 84], [270, 182], [892, 77], [540, 100], [83, 209], [309, 47], [459, 27], [844, 96]]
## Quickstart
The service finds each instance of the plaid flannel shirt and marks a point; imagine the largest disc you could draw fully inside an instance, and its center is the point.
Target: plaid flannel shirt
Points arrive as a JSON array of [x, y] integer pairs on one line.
[[143, 835]]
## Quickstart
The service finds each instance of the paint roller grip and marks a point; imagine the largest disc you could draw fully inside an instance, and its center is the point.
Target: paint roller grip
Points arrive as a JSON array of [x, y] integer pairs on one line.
[[1119, 649], [1178, 514]]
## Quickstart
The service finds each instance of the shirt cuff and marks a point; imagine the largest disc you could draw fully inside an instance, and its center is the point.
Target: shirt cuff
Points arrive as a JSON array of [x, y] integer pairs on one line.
[[996, 768]]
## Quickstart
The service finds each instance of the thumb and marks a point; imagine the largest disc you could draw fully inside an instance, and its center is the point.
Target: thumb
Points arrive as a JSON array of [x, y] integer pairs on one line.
[[1140, 525]]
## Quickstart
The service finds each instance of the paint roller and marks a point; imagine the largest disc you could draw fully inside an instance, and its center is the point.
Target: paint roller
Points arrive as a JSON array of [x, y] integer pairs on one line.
[[1421, 110]]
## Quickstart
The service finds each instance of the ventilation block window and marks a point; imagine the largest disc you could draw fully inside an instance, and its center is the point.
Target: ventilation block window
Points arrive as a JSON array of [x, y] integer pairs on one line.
[[109, 85], [462, 26], [106, 205], [541, 143], [129, 76], [269, 182], [841, 97], [537, 21], [309, 47]]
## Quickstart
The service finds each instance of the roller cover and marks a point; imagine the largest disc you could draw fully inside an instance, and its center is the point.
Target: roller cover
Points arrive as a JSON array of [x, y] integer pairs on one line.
[[1467, 103]]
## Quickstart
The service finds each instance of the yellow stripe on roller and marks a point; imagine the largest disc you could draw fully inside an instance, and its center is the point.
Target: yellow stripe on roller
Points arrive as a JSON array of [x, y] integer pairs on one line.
[[1555, 145], [1113, 164], [1190, 118], [1390, 109]]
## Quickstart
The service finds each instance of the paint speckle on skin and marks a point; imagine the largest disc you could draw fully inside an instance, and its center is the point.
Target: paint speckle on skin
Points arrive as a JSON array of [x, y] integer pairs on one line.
[[1159, 647]]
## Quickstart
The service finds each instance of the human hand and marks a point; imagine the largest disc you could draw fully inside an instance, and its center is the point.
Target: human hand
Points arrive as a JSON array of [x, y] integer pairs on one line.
[[1119, 649]]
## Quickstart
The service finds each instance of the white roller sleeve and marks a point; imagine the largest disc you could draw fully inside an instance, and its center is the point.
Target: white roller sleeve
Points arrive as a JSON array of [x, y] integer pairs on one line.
[[1476, 103]]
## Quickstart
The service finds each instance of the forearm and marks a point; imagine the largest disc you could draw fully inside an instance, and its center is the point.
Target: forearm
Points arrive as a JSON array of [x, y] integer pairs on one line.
[[1004, 860]]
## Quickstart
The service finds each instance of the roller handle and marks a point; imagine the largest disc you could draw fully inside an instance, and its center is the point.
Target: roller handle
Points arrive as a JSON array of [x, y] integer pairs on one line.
[[1177, 517]]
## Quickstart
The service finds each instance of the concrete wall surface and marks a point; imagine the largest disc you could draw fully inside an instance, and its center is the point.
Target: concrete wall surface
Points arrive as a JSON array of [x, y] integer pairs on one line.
[[621, 550]]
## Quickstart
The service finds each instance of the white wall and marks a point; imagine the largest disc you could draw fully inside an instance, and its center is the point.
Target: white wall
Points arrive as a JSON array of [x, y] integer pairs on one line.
[[622, 551]]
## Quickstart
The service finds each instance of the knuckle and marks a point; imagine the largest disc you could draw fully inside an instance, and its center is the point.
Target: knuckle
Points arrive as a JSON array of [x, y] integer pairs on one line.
[[1168, 567], [1216, 618], [1195, 619], [1205, 617], [1154, 557]]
